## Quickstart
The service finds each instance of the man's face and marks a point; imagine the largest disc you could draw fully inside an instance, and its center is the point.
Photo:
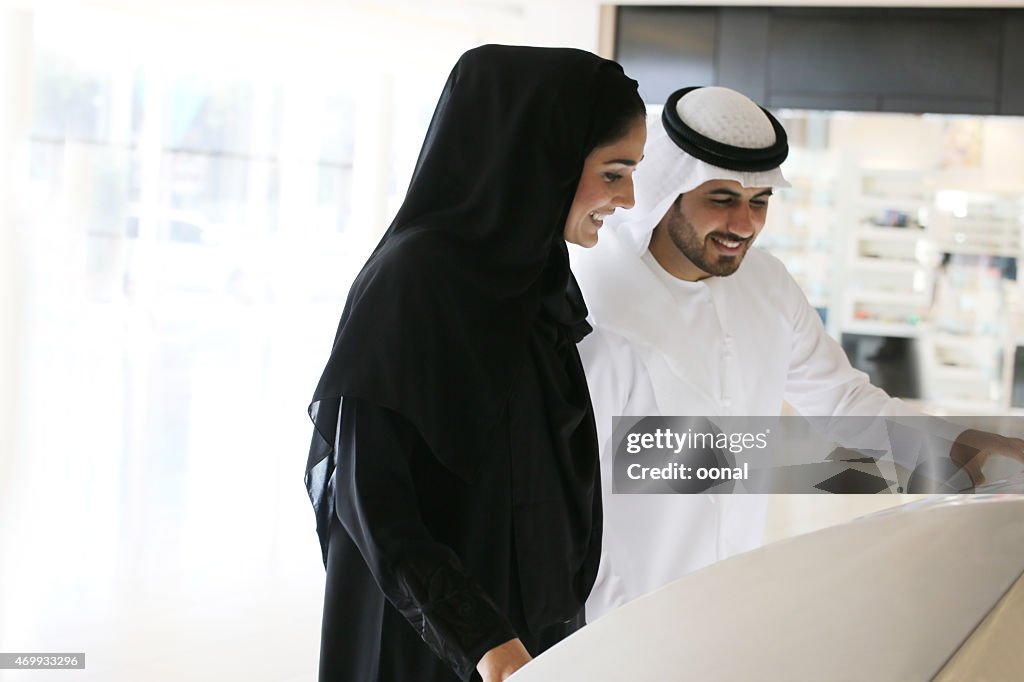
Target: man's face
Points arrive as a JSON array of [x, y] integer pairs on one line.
[[708, 230]]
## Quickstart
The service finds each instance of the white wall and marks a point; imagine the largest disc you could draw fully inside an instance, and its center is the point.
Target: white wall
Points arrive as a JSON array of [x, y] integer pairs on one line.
[[15, 113]]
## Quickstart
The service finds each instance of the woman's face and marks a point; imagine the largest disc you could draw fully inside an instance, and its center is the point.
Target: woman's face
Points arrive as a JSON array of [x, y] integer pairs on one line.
[[606, 184]]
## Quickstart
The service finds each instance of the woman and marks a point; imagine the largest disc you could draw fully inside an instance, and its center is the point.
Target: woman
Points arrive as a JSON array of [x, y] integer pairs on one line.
[[465, 501]]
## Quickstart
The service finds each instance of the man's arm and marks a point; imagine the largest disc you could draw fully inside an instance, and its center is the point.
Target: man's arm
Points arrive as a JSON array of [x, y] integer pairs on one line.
[[822, 382]]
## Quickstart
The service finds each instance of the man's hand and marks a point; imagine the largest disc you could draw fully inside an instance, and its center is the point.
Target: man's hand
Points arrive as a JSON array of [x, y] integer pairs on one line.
[[973, 448], [500, 662]]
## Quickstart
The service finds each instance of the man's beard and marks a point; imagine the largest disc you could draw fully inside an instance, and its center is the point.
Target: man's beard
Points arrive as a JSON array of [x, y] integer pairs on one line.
[[684, 235]]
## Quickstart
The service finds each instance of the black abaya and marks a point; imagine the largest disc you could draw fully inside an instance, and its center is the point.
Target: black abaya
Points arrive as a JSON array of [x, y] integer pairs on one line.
[[469, 566], [453, 467]]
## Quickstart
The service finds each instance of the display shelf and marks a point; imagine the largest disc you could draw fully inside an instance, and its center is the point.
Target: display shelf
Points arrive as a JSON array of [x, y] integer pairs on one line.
[[975, 249], [878, 265], [978, 223], [953, 373], [880, 328], [917, 301], [952, 405], [888, 244], [926, 252], [964, 369], [892, 313], [934, 274]]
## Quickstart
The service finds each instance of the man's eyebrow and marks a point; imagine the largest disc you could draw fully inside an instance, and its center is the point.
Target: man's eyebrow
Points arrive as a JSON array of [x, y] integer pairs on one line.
[[732, 193]]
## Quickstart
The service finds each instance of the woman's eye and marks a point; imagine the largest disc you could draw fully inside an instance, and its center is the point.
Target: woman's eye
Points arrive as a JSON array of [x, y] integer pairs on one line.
[[611, 177], [763, 203]]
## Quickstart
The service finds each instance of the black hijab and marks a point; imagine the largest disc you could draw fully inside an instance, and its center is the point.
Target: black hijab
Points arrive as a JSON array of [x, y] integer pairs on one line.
[[437, 322]]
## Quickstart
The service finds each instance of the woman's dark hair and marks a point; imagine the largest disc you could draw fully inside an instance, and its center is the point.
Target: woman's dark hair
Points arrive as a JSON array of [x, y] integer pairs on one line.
[[618, 107]]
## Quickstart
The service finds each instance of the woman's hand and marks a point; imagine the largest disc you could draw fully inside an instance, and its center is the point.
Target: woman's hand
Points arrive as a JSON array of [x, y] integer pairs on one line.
[[500, 662]]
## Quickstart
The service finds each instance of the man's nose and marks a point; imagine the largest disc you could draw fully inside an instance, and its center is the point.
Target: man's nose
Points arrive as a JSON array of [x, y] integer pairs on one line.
[[743, 222]]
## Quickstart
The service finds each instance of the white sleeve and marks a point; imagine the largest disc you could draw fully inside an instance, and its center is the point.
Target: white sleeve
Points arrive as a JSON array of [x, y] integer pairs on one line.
[[822, 382], [619, 386], [618, 381]]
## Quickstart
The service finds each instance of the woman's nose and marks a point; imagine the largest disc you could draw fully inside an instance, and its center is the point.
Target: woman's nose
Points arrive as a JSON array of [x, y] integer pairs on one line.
[[627, 198]]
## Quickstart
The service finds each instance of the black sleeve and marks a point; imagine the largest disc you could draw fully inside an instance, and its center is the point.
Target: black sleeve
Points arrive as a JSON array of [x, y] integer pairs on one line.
[[376, 502]]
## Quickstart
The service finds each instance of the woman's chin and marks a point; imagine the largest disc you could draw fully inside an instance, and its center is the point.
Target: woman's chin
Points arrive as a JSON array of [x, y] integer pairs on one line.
[[587, 240]]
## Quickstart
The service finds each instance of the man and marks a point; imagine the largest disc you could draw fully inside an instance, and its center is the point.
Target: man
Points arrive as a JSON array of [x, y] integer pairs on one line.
[[717, 329]]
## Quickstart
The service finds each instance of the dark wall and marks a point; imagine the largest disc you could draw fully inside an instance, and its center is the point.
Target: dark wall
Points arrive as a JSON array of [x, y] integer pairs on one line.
[[860, 59]]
